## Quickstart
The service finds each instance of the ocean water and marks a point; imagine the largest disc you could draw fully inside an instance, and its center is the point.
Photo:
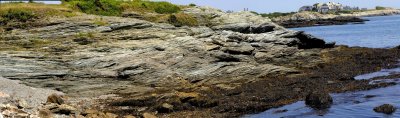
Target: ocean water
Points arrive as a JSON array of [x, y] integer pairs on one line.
[[379, 32]]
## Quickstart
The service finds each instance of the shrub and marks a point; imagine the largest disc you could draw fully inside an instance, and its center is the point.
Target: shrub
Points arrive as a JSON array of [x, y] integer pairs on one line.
[[18, 15], [116, 7], [182, 19], [277, 14], [380, 8], [192, 5]]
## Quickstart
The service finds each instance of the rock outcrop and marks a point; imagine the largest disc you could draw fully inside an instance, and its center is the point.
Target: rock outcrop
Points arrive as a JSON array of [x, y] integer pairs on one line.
[[132, 56], [306, 19]]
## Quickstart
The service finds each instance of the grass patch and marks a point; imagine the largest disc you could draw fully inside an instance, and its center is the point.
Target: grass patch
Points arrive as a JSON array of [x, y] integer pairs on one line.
[[116, 7], [38, 9], [181, 19], [22, 15], [100, 22], [98, 7]]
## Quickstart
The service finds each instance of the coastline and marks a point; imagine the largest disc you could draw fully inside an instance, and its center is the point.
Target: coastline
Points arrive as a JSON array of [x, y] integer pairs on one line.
[[308, 19], [239, 63]]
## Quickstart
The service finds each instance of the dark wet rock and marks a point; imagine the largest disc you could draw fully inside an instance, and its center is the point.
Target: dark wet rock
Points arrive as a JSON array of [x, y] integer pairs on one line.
[[55, 98], [165, 108], [370, 96], [307, 41], [281, 111], [321, 22], [319, 100], [385, 108]]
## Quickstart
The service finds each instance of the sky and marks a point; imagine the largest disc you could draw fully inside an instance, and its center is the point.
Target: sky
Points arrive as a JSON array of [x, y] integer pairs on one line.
[[268, 6]]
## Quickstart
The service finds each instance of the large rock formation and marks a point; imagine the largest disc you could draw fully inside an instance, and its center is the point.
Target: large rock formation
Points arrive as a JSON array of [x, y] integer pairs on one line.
[[131, 56]]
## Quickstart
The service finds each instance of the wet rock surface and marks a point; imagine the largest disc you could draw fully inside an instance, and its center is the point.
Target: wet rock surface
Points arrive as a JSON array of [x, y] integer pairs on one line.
[[385, 108]]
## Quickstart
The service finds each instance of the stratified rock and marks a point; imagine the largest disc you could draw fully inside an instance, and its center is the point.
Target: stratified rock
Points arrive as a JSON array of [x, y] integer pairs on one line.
[[385, 108], [132, 15], [319, 100], [55, 98]]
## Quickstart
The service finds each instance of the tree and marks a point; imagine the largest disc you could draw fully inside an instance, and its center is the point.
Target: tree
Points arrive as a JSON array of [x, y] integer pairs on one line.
[[30, 1]]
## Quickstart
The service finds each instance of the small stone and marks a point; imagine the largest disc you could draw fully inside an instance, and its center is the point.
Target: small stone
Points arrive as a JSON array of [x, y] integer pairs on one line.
[[129, 116], [149, 115], [385, 108], [4, 95], [55, 98], [111, 115], [45, 113], [23, 104], [319, 100]]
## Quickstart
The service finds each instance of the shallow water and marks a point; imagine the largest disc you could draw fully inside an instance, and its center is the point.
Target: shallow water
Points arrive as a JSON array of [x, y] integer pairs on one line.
[[379, 32], [346, 105]]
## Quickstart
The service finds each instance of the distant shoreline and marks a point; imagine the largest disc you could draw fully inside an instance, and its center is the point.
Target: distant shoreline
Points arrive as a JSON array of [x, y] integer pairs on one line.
[[309, 19]]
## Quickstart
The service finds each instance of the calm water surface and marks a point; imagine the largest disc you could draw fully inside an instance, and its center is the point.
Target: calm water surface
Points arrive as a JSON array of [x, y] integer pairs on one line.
[[379, 32]]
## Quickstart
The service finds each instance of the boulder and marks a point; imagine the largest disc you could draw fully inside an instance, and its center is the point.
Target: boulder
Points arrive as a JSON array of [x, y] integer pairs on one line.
[[149, 115], [319, 100], [385, 108], [165, 108], [55, 98]]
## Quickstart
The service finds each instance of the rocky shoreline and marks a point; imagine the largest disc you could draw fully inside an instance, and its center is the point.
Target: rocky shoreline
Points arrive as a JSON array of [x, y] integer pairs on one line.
[[308, 19], [242, 64]]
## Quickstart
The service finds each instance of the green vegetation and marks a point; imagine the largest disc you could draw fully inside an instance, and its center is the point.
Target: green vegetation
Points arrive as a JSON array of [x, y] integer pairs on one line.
[[182, 19], [273, 15], [99, 7], [100, 22], [380, 8], [192, 5], [17, 15], [116, 7]]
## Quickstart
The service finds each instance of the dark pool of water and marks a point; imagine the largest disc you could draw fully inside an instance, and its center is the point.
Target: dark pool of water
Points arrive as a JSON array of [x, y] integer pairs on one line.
[[379, 32]]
